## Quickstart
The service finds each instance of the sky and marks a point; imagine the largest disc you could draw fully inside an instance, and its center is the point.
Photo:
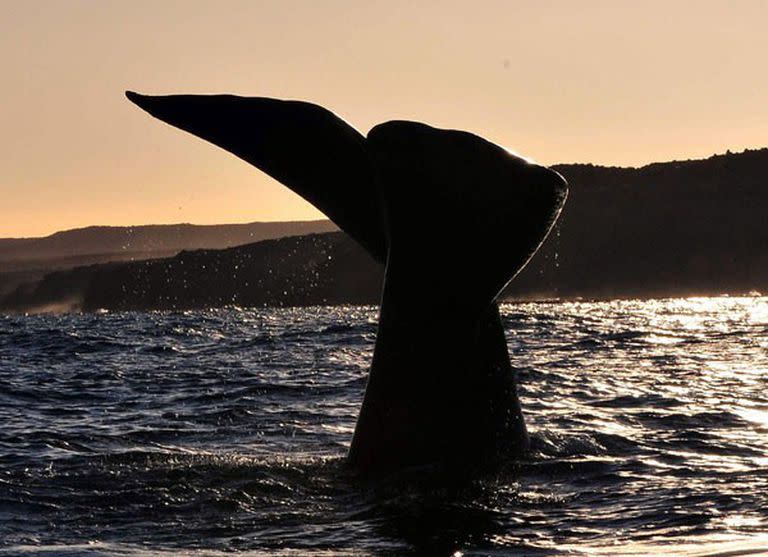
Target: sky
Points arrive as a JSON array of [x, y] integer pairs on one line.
[[608, 82]]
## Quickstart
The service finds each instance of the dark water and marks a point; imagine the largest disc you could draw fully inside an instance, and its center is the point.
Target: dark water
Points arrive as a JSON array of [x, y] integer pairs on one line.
[[217, 431]]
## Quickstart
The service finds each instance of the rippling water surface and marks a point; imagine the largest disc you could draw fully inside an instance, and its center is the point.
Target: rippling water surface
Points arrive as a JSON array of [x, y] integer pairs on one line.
[[225, 430]]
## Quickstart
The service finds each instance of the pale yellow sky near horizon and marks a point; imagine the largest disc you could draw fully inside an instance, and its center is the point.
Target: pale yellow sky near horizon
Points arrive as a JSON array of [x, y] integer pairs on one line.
[[607, 82]]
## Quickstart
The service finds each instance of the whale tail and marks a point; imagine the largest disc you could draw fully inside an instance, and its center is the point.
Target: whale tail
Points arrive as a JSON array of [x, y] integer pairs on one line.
[[462, 213], [454, 217], [302, 145], [463, 217]]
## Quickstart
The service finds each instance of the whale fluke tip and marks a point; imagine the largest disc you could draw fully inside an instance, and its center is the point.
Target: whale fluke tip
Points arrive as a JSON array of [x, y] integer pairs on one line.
[[136, 98], [142, 101]]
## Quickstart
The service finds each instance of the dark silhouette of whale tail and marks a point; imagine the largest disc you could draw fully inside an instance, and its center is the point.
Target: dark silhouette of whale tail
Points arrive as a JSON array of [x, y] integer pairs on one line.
[[303, 146], [454, 218], [463, 216]]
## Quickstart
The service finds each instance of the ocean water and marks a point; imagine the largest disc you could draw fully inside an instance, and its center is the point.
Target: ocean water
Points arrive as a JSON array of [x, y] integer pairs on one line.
[[224, 431]]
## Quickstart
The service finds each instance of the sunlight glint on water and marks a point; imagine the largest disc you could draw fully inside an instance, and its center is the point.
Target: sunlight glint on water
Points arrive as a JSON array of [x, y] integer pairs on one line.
[[221, 430]]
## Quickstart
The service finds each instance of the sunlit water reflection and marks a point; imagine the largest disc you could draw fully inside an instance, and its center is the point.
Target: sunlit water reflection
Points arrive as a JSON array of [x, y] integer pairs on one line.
[[225, 430]]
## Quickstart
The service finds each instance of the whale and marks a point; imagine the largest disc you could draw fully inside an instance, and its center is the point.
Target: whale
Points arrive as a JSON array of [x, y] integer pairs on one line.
[[453, 217]]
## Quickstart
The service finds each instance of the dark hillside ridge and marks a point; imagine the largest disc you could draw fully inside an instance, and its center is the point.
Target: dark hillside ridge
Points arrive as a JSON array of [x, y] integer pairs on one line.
[[318, 269], [666, 229], [28, 260], [164, 238]]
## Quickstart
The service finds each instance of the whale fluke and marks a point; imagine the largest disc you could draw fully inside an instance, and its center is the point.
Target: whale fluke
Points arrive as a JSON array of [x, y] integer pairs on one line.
[[463, 217], [460, 211], [453, 216], [302, 145]]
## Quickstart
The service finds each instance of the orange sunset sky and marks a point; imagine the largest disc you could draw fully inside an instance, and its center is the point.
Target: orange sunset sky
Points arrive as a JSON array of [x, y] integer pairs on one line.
[[609, 82]]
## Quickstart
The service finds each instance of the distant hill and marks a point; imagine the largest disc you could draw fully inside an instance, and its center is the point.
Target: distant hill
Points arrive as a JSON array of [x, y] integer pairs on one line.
[[316, 269], [666, 229], [24, 260], [160, 238]]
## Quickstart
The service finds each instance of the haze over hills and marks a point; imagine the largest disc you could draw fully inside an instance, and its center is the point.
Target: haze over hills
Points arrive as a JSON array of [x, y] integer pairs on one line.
[[316, 269], [153, 238], [28, 259], [667, 229]]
